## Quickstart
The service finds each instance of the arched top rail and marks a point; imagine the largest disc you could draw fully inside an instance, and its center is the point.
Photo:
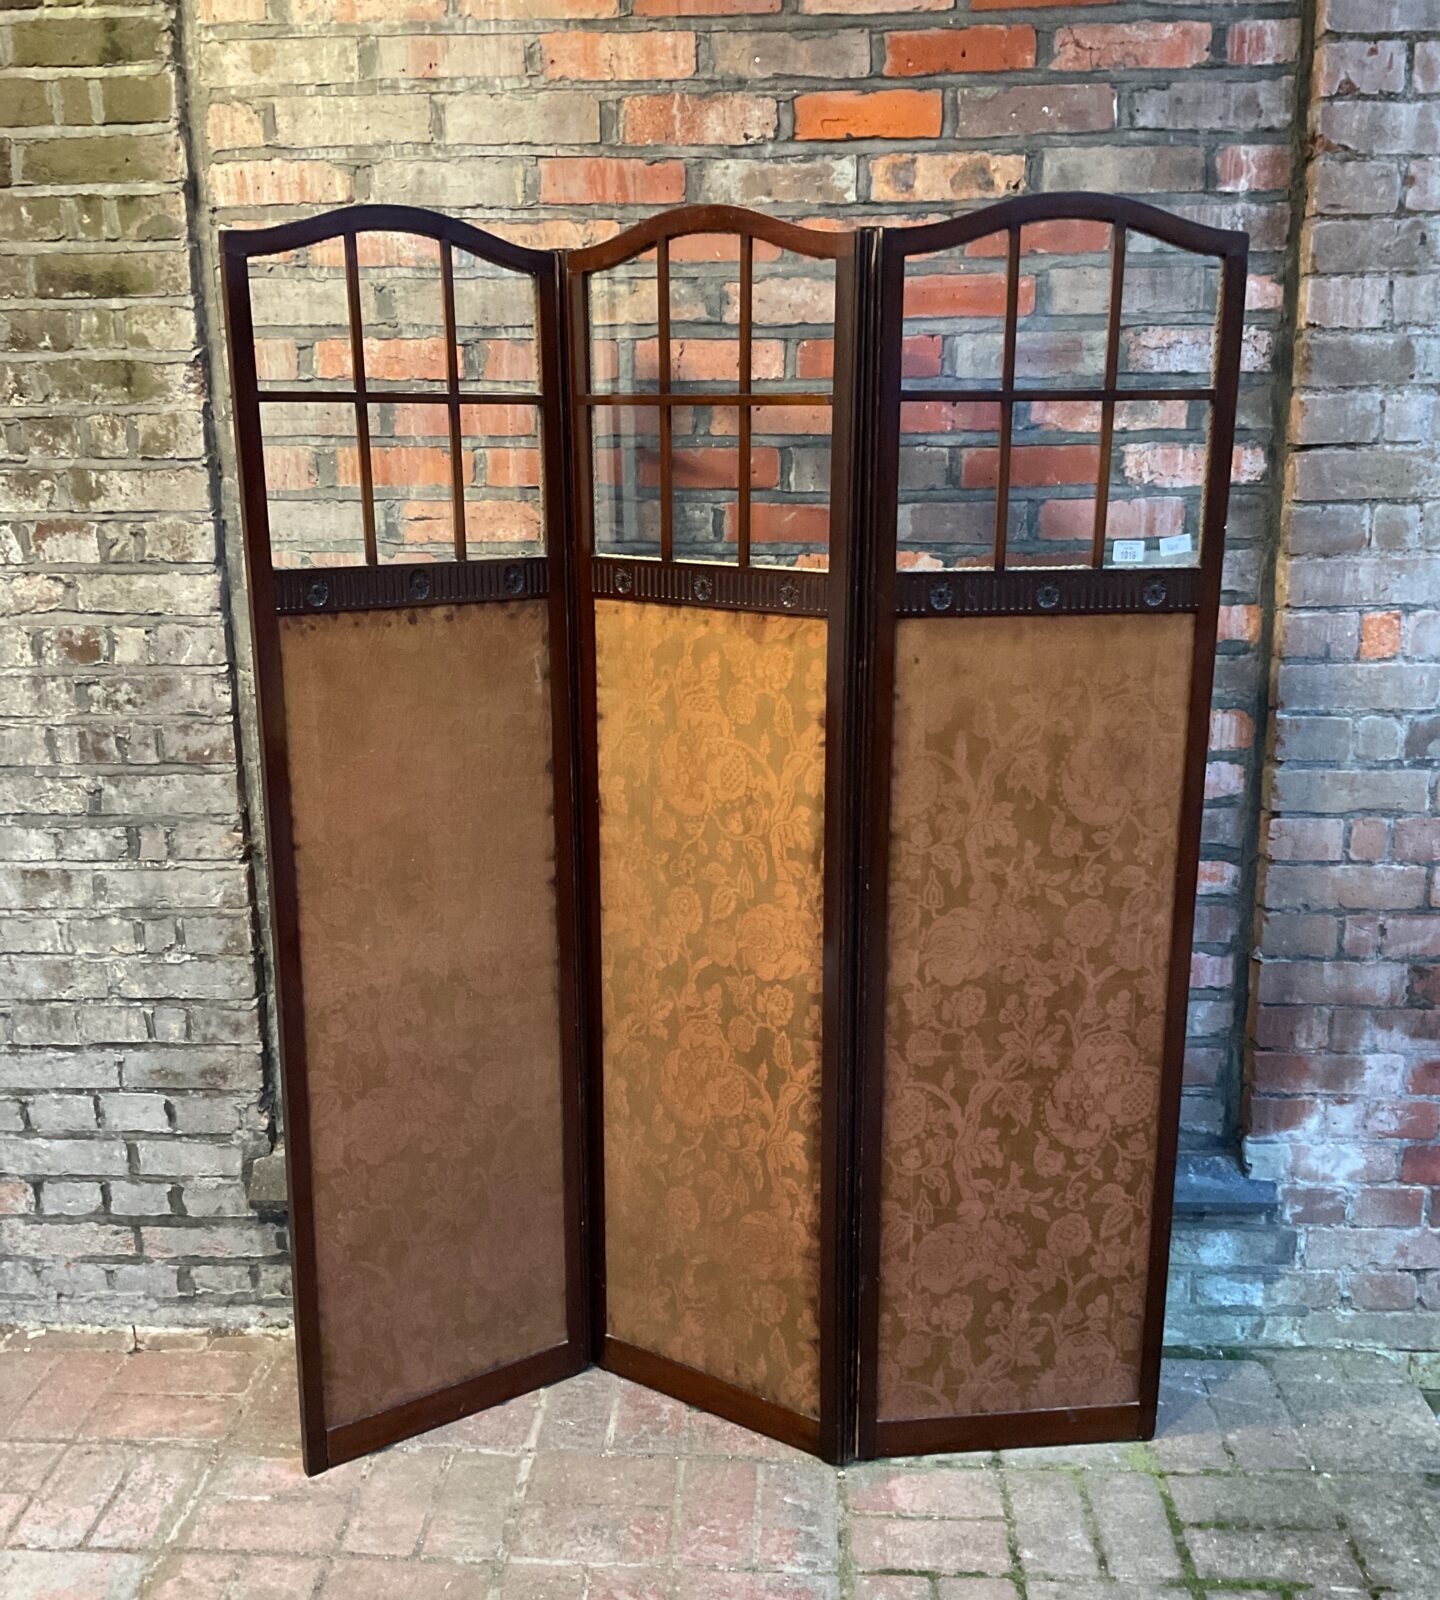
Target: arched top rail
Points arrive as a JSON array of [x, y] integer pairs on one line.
[[1079, 205], [347, 221], [815, 242]]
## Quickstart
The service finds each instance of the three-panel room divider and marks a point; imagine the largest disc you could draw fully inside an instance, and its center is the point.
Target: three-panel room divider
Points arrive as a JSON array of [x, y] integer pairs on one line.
[[733, 705]]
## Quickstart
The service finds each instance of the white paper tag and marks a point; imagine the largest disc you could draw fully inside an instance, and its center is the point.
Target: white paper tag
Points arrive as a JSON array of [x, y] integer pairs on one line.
[[1128, 552], [1175, 544]]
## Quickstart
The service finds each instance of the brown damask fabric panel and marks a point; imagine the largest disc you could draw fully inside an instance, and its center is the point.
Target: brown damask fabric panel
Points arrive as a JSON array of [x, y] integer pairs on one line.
[[1037, 781], [712, 763], [420, 763]]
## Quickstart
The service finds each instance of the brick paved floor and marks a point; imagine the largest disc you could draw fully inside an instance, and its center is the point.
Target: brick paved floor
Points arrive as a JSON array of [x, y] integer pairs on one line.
[[170, 1473]]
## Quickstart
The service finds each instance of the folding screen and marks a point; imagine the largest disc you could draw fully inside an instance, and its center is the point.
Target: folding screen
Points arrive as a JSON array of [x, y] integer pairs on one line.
[[397, 394], [1044, 638], [713, 548], [734, 710]]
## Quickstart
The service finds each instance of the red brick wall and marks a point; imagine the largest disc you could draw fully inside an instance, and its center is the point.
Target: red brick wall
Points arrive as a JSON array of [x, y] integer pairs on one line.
[[556, 123]]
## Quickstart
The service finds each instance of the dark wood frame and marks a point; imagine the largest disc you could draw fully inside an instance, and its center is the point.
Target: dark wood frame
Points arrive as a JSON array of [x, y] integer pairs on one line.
[[329, 591], [1037, 591], [861, 595]]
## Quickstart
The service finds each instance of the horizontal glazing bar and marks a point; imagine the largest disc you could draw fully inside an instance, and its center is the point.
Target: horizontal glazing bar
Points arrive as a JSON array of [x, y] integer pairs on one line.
[[958, 395], [710, 397], [380, 397]]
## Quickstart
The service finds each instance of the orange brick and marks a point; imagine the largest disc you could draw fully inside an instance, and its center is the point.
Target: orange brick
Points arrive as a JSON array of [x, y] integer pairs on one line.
[[868, 8], [977, 294], [704, 8], [789, 524], [1215, 877], [1379, 635], [1231, 730], [276, 360], [485, 422], [1150, 518], [536, 10], [710, 360], [949, 416], [610, 180], [396, 466], [1239, 168], [512, 469], [396, 360], [289, 466], [277, 183], [815, 358], [929, 175], [1070, 416], [919, 54], [426, 522], [232, 126], [1062, 237], [1223, 778], [509, 361], [489, 521], [698, 119], [1239, 623], [1262, 44], [796, 420], [1169, 466], [616, 57], [1109, 46], [881, 114], [716, 467], [920, 356], [323, 11], [1032, 466]]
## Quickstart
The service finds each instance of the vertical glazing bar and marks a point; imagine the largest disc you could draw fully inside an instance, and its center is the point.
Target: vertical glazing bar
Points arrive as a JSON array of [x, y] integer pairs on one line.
[[362, 405], [1107, 405], [1007, 402], [747, 278], [452, 399], [662, 285]]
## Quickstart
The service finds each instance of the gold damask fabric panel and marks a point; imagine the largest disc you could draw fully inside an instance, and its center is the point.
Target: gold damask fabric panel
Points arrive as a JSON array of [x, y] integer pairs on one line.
[[1034, 828], [711, 779], [420, 769]]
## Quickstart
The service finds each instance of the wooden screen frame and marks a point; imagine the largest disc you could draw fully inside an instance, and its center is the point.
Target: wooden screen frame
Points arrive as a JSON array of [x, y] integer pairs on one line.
[[861, 595], [742, 587], [952, 597], [274, 593]]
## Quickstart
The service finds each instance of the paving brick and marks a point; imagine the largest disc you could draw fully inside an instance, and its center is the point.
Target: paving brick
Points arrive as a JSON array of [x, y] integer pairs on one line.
[[715, 1521], [1133, 1526], [931, 1544], [1052, 1525]]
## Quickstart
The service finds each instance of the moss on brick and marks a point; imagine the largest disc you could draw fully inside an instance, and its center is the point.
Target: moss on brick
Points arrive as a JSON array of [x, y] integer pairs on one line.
[[111, 276], [24, 104], [107, 158], [150, 99], [87, 41]]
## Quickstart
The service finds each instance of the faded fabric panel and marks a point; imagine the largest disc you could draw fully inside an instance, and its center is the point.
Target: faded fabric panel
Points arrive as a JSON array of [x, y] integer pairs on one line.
[[1034, 830], [712, 765], [420, 773]]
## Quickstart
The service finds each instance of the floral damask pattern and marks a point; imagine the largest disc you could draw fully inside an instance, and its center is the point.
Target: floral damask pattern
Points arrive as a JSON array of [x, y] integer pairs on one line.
[[711, 763], [1037, 775], [422, 804]]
